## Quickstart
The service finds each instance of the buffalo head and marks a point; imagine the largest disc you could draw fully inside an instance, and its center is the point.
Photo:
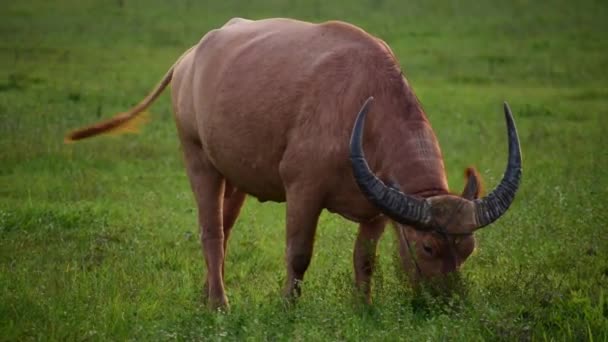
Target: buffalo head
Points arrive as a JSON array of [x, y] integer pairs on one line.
[[436, 233]]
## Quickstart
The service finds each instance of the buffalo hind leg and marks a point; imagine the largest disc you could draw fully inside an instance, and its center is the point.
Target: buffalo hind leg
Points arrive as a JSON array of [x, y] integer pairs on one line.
[[303, 213], [233, 201], [208, 187], [364, 256]]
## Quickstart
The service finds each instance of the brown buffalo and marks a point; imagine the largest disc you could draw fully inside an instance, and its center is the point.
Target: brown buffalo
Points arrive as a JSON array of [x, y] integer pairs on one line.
[[267, 108]]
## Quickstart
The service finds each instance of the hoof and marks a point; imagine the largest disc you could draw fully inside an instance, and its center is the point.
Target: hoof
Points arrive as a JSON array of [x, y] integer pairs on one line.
[[218, 304], [292, 290], [363, 295]]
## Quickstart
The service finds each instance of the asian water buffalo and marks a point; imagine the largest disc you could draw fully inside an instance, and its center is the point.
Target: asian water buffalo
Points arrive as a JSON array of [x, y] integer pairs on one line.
[[267, 108]]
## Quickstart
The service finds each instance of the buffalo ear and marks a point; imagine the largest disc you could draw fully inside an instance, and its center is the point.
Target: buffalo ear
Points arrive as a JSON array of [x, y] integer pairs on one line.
[[473, 188]]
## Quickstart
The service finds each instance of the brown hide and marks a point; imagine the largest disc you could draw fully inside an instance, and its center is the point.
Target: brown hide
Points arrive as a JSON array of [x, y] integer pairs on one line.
[[275, 101]]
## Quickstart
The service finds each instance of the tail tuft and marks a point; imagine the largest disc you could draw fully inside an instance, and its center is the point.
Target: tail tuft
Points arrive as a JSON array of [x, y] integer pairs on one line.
[[120, 124], [131, 126]]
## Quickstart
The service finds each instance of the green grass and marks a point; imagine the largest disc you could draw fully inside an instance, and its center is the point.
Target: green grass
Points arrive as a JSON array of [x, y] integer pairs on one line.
[[98, 240]]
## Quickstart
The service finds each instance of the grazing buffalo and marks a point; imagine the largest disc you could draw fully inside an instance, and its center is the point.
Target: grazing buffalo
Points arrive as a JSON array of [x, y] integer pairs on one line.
[[267, 108]]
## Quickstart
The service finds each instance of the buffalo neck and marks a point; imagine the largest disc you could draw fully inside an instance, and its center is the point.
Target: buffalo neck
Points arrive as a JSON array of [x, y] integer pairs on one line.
[[407, 151]]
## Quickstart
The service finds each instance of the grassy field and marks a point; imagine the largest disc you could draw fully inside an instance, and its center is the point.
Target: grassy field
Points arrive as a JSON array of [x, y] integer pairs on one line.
[[98, 240]]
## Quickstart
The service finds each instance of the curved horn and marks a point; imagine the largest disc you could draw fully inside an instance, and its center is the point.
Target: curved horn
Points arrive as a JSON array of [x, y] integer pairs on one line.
[[398, 206], [491, 207]]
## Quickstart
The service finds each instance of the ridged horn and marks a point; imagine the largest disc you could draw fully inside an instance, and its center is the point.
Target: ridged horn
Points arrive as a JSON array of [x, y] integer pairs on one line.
[[491, 207], [393, 203]]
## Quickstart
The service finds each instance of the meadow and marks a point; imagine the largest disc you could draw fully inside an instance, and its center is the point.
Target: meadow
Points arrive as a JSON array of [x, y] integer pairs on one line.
[[99, 240]]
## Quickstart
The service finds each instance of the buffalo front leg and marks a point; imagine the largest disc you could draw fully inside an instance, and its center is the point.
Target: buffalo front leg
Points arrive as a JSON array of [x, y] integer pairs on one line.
[[302, 216], [364, 256], [208, 187]]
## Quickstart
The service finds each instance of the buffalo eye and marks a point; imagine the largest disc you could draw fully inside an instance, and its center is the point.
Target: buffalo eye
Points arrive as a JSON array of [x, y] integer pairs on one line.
[[427, 249]]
